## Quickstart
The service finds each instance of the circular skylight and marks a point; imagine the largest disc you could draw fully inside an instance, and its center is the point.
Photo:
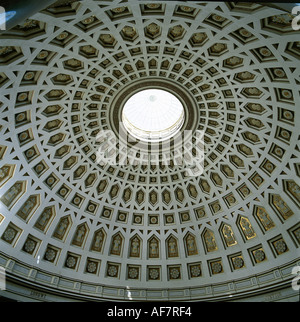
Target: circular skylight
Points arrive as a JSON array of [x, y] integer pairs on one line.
[[153, 115]]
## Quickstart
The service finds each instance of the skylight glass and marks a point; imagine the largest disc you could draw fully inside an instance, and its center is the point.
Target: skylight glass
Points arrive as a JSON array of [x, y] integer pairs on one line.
[[153, 115]]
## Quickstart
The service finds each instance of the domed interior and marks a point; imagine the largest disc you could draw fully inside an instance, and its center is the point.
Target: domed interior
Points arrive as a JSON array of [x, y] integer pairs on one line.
[[72, 228]]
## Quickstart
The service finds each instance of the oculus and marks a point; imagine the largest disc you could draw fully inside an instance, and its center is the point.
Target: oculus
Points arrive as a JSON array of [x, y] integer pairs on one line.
[[153, 115]]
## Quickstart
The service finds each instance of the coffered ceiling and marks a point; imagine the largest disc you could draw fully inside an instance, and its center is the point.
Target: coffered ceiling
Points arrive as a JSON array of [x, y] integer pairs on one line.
[[102, 231]]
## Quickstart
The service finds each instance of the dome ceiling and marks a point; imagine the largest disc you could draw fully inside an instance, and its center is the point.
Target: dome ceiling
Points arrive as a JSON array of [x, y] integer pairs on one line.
[[98, 230]]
